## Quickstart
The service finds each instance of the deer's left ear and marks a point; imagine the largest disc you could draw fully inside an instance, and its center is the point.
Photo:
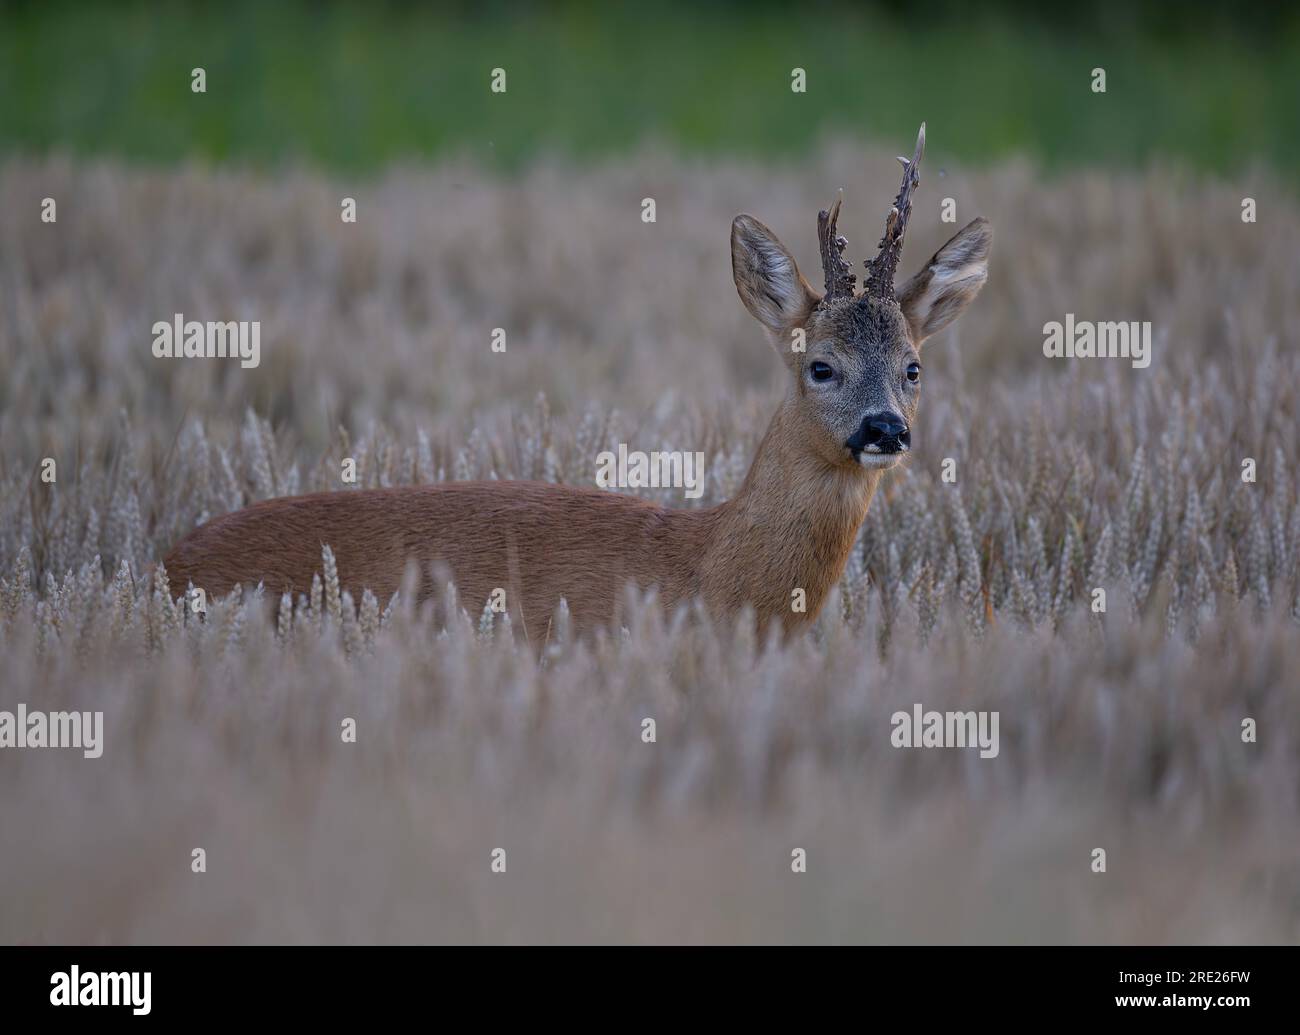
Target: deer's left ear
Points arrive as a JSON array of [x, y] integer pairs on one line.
[[936, 296]]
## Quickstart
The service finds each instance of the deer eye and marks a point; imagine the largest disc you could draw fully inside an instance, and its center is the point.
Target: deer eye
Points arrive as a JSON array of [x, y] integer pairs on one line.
[[914, 372], [821, 371]]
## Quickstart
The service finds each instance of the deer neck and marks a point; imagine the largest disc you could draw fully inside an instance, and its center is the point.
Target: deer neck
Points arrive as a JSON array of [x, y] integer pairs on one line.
[[790, 527]]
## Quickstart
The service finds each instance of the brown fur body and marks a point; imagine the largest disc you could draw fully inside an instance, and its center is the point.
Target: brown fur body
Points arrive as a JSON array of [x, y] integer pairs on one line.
[[541, 542]]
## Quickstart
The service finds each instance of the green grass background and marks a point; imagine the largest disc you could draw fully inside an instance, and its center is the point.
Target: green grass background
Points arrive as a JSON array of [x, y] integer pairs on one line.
[[353, 87]]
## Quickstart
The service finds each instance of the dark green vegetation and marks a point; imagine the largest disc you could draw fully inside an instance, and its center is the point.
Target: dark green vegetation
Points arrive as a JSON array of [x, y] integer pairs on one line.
[[354, 87]]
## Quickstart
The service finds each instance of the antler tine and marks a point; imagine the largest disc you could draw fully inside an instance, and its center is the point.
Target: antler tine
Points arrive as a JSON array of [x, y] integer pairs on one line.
[[881, 269], [840, 279]]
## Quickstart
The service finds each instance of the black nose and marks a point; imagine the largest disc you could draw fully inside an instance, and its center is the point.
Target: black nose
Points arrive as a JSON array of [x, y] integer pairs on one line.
[[885, 431]]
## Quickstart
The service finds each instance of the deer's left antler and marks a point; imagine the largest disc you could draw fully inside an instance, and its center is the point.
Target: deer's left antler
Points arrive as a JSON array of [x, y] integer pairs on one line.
[[881, 269]]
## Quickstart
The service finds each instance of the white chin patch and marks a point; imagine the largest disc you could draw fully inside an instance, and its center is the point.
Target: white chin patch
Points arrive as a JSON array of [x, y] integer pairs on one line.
[[879, 461]]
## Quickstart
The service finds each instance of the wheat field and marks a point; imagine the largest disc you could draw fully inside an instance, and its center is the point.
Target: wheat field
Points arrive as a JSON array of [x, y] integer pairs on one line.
[[1120, 731]]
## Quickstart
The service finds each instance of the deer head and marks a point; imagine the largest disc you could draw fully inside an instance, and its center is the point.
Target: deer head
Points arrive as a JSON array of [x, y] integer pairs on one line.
[[856, 385]]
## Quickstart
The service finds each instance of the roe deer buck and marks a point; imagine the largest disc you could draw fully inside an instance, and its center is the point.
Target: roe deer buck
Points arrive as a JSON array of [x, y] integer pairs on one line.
[[846, 418]]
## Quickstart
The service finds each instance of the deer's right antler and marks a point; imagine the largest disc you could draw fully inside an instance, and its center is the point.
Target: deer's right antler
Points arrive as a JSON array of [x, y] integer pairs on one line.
[[840, 279]]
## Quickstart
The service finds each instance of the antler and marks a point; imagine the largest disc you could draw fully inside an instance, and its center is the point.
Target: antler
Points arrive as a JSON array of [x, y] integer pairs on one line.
[[840, 279], [881, 269]]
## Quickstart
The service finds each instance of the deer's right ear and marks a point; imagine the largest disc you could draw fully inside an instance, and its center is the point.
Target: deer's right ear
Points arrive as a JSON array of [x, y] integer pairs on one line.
[[767, 277]]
